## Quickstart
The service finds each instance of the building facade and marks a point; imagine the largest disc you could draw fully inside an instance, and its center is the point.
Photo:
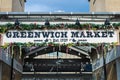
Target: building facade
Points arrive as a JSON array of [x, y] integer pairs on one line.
[[6, 66], [104, 5], [109, 51], [112, 63], [12, 5]]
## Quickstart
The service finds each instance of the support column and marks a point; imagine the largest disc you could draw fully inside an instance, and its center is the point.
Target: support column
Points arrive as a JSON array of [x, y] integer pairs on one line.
[[118, 68], [0, 70]]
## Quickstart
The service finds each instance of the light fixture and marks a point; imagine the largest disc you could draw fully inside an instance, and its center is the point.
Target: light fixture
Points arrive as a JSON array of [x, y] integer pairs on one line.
[[17, 23], [77, 22], [107, 22], [47, 23]]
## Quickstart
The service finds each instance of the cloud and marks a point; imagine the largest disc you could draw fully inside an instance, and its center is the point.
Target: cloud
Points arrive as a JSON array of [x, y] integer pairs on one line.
[[60, 11]]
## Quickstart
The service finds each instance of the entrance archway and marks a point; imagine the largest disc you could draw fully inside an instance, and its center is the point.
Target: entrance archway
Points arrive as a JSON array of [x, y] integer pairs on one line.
[[82, 43]]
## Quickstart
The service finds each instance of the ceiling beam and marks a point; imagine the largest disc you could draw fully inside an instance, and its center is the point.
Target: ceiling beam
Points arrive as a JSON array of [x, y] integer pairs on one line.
[[37, 50], [80, 51]]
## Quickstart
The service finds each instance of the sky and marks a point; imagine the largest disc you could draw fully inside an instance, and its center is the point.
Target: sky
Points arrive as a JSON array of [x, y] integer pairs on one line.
[[57, 6]]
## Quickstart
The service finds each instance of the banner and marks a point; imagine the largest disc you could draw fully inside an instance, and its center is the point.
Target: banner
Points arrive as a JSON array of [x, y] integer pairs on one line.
[[60, 36]]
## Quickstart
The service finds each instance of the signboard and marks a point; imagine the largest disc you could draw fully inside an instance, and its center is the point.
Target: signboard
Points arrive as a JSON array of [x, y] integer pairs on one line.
[[60, 36]]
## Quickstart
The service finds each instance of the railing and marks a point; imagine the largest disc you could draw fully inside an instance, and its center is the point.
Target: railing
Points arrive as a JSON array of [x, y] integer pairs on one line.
[[52, 66]]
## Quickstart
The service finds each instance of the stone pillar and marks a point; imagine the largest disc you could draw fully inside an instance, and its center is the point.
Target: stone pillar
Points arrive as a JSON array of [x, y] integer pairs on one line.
[[0, 70], [118, 68]]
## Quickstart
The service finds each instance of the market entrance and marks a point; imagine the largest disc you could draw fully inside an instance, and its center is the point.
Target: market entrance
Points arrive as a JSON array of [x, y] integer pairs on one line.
[[68, 52], [60, 48], [56, 62]]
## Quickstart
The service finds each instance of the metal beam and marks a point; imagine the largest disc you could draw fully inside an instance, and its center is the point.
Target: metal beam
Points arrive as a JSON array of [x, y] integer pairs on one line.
[[59, 16], [34, 51], [80, 51], [60, 13]]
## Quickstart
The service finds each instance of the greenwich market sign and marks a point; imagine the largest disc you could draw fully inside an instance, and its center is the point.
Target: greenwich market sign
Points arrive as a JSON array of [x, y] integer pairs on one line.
[[60, 36]]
